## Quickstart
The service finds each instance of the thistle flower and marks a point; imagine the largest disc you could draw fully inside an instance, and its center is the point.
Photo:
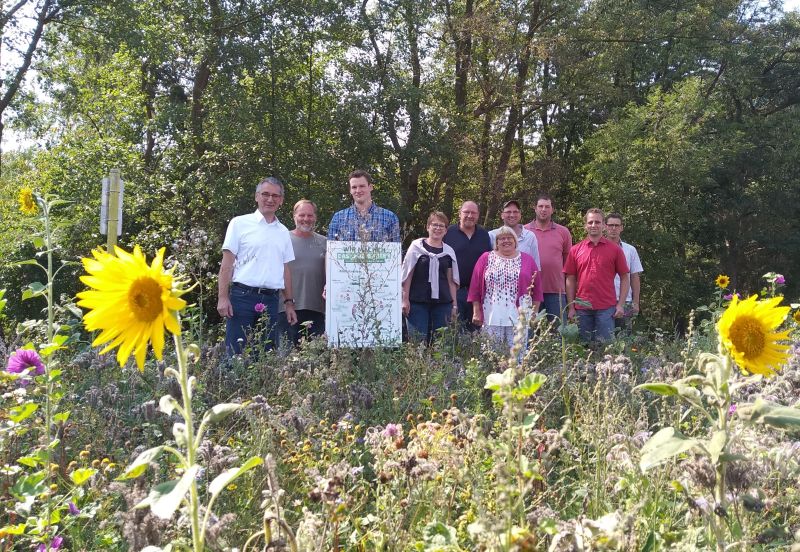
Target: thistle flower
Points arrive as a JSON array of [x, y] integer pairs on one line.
[[131, 303], [747, 331], [27, 202], [722, 281], [260, 307]]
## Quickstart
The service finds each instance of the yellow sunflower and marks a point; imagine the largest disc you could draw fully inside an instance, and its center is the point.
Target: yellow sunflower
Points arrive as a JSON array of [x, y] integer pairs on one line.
[[27, 202], [747, 330], [131, 303], [722, 281]]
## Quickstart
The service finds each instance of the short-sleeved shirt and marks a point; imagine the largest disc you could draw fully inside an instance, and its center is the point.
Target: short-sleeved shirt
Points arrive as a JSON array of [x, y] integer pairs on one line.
[[377, 225], [420, 289], [468, 249], [554, 242], [634, 264], [261, 249], [595, 267], [526, 243], [308, 272]]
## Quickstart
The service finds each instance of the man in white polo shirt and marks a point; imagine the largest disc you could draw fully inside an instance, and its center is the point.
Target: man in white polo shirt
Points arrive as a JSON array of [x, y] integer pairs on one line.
[[255, 268]]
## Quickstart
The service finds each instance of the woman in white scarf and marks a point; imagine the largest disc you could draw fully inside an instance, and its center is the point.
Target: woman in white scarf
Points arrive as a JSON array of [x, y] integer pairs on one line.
[[430, 280]]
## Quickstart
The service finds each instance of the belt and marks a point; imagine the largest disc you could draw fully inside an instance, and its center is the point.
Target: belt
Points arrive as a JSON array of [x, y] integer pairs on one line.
[[258, 290]]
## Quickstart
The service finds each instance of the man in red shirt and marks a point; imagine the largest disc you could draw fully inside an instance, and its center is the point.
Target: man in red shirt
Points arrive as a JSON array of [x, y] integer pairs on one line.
[[590, 269], [554, 242]]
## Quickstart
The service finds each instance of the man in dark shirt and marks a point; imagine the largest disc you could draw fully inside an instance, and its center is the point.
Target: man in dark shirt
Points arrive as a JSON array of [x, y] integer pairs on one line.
[[469, 240]]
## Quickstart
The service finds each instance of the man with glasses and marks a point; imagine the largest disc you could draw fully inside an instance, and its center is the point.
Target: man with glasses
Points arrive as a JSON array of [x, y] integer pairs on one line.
[[255, 268], [469, 240], [590, 269], [614, 228], [526, 240]]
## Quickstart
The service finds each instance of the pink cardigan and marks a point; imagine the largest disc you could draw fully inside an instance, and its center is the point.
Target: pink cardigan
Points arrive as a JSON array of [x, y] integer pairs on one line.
[[528, 271]]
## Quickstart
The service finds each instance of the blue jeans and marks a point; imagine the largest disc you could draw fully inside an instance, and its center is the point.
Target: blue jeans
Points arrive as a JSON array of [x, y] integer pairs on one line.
[[315, 325], [596, 324], [555, 304], [425, 318], [465, 310], [245, 317]]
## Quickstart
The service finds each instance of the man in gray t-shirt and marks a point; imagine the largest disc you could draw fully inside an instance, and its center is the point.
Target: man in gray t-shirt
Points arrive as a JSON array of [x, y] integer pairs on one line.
[[308, 274]]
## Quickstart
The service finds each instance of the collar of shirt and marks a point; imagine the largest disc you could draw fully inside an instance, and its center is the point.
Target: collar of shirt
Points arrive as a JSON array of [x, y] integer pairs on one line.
[[258, 217]]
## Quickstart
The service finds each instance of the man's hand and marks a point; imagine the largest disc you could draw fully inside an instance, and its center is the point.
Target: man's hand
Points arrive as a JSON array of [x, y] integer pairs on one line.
[[619, 311], [571, 314], [406, 306], [224, 307], [291, 314], [635, 308]]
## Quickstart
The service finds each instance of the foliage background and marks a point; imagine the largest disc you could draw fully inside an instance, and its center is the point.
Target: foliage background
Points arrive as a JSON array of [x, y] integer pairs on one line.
[[682, 115]]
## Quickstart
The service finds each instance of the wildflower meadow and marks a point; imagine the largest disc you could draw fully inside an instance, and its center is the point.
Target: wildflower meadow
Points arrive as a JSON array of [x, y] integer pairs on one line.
[[126, 427]]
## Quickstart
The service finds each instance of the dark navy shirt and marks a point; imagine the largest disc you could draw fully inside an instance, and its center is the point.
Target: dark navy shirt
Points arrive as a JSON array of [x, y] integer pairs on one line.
[[468, 250], [420, 290]]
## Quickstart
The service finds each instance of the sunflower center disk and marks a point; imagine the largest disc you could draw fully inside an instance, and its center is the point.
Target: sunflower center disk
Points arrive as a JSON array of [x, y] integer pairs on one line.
[[747, 336], [144, 299]]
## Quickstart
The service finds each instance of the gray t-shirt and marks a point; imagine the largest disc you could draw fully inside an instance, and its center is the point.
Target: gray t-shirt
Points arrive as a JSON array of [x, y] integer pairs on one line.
[[308, 273]]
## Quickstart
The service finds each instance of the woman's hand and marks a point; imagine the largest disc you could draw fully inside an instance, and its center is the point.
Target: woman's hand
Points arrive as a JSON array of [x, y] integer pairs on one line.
[[406, 306]]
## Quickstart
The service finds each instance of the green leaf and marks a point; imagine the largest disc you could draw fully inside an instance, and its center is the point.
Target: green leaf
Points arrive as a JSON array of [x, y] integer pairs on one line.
[[167, 404], [22, 412], [139, 466], [765, 412], [717, 444], [225, 478], [569, 332], [38, 242], [13, 529], [582, 303], [529, 385], [437, 534], [61, 417], [30, 461], [82, 475], [28, 262], [34, 289], [219, 412], [664, 445], [165, 498], [658, 388]]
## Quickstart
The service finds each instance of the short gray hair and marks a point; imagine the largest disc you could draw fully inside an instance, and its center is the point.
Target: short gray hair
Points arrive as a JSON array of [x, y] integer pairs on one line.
[[270, 180], [506, 231]]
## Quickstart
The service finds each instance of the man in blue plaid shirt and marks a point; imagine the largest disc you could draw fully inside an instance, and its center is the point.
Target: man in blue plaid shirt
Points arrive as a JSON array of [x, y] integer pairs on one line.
[[363, 221]]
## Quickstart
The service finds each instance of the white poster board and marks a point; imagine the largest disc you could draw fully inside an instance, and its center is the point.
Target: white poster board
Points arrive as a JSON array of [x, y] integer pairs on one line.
[[362, 307]]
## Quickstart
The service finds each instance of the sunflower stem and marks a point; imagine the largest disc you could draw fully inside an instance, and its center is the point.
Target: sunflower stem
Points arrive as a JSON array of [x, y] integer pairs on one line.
[[191, 446], [48, 386]]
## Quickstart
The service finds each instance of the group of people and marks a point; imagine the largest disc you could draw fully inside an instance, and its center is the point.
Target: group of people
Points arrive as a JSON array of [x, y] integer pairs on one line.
[[488, 279]]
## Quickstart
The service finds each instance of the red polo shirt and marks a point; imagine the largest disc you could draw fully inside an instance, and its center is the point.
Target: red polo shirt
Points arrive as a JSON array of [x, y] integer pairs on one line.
[[554, 243], [595, 267]]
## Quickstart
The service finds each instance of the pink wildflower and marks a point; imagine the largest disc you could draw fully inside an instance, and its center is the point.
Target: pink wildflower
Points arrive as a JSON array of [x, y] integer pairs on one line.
[[392, 430], [25, 359], [260, 307]]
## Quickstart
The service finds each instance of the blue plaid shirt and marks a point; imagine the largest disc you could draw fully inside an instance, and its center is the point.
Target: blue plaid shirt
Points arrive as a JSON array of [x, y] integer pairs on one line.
[[378, 225]]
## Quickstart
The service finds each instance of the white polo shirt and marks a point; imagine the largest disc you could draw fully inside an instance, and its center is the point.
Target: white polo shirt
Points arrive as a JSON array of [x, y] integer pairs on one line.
[[261, 249], [526, 243], [634, 266]]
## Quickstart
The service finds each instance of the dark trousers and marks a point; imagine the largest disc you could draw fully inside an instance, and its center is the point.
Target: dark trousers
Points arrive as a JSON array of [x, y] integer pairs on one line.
[[465, 310], [309, 322], [245, 317]]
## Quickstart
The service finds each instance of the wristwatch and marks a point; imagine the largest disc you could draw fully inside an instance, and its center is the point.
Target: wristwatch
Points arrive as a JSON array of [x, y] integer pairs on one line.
[[288, 301]]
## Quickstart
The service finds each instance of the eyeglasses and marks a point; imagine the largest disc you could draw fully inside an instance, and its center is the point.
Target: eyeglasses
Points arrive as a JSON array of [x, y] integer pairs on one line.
[[267, 195], [437, 225]]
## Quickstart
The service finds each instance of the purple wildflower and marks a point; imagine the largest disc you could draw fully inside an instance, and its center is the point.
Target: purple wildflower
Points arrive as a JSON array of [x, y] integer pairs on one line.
[[392, 430], [780, 280], [260, 307], [55, 544], [73, 510], [25, 359], [732, 409]]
